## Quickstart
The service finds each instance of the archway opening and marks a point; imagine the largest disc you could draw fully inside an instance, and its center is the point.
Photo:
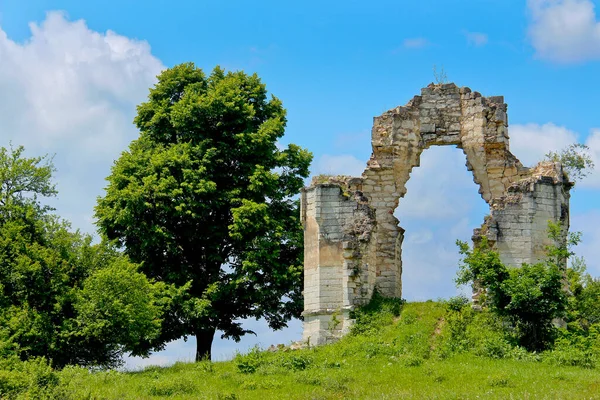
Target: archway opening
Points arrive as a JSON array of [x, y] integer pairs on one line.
[[441, 205]]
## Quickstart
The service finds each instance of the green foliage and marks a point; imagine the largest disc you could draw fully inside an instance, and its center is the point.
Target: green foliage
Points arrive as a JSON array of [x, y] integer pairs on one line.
[[249, 363], [205, 198], [527, 298], [259, 361], [576, 349], [379, 312], [117, 307], [467, 330], [171, 387], [32, 379], [52, 279], [575, 160], [457, 303], [584, 302], [22, 181]]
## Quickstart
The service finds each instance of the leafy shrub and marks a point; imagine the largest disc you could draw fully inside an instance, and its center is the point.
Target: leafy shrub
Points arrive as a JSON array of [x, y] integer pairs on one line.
[[453, 336], [296, 362], [411, 360], [494, 346], [378, 313], [269, 364], [526, 298], [205, 366], [584, 304], [248, 363], [29, 379], [469, 330], [457, 303], [518, 353], [576, 349]]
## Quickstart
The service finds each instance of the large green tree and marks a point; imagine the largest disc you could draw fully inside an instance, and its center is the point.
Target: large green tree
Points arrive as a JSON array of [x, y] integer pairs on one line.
[[205, 200], [63, 297]]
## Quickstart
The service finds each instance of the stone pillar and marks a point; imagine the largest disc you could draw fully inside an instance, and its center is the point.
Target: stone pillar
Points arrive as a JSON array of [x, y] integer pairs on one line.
[[333, 276]]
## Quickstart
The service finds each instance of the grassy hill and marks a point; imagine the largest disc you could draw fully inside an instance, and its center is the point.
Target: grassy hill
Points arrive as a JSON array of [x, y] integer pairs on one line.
[[425, 350]]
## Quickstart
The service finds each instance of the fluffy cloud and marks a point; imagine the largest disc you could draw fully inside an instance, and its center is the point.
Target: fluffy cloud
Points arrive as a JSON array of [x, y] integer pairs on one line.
[[431, 192], [441, 205], [589, 224], [72, 92], [531, 142], [430, 257], [564, 31]]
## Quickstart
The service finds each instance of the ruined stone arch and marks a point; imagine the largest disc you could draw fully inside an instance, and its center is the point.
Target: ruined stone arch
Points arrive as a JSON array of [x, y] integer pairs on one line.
[[353, 241]]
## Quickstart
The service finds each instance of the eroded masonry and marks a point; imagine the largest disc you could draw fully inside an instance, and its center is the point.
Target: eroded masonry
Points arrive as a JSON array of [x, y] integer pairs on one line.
[[353, 241]]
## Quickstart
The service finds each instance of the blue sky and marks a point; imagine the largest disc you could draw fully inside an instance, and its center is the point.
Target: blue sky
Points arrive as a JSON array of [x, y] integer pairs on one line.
[[71, 73]]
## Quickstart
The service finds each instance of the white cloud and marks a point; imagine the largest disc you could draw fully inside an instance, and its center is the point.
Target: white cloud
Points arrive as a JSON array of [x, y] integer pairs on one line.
[[440, 206], [564, 31], [343, 164], [71, 91], [476, 39], [531, 142], [429, 268], [589, 224], [431, 187], [415, 43]]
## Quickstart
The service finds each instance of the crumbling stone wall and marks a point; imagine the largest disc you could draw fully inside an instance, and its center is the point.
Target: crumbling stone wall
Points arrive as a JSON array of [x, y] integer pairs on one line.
[[353, 241]]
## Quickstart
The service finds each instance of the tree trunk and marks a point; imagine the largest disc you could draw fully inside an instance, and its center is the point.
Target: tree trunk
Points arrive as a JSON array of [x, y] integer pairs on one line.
[[204, 339]]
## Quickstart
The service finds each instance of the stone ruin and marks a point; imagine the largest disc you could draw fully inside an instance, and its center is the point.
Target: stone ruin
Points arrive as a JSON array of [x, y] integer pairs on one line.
[[352, 240]]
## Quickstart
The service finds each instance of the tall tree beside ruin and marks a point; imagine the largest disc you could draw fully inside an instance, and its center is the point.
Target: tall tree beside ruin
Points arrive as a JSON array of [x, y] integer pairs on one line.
[[204, 198]]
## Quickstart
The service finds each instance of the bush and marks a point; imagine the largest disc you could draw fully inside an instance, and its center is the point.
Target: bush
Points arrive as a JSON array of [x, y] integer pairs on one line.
[[412, 360], [457, 303], [378, 313], [526, 298], [267, 363], [584, 304], [295, 362], [576, 349], [29, 379], [248, 363], [468, 330]]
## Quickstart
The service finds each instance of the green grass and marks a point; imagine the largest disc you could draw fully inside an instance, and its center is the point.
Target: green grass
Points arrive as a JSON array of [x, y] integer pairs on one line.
[[387, 357]]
